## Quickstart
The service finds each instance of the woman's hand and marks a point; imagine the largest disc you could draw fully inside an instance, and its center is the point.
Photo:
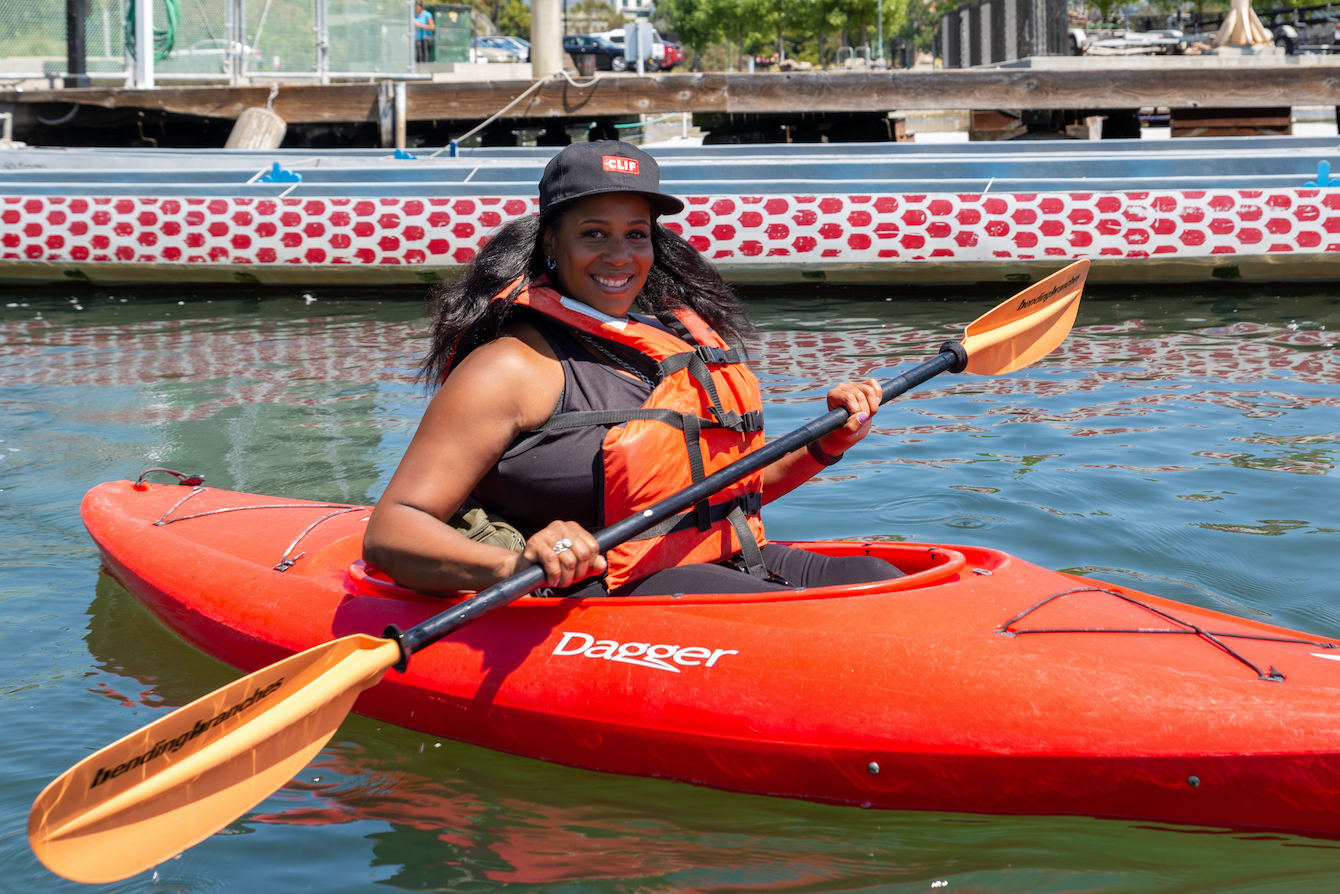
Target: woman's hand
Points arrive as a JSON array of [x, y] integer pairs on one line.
[[862, 401], [567, 551]]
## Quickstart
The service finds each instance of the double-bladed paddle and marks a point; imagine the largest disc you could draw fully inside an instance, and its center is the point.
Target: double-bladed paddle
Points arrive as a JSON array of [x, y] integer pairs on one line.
[[178, 780]]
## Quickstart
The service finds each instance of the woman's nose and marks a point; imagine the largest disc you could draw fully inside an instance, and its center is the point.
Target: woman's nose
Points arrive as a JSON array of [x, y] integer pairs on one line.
[[618, 251]]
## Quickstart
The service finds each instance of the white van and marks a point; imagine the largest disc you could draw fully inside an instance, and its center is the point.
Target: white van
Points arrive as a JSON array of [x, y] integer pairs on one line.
[[657, 46]]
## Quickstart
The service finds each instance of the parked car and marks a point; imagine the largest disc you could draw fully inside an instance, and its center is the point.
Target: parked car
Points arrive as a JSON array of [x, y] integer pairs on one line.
[[657, 60], [481, 51], [515, 45], [608, 56], [674, 54]]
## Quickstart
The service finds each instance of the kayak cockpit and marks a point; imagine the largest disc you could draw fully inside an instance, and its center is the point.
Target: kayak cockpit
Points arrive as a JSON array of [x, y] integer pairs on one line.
[[922, 565]]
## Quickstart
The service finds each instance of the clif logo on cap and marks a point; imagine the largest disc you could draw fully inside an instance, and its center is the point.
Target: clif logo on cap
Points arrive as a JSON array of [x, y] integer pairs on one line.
[[617, 164]]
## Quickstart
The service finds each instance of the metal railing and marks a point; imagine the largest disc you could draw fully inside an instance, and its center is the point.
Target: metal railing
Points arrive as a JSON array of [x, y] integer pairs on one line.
[[230, 41]]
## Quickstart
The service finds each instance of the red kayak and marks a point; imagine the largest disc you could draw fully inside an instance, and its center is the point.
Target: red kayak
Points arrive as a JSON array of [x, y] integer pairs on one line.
[[978, 682]]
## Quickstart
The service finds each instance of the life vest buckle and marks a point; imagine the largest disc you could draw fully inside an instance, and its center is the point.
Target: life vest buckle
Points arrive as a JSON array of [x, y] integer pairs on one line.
[[742, 422], [719, 356]]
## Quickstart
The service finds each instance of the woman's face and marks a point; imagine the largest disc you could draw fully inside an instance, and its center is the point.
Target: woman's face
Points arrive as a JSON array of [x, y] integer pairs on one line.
[[601, 249]]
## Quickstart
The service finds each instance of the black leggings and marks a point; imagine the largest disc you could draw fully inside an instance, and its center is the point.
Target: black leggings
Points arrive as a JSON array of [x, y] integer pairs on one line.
[[798, 567]]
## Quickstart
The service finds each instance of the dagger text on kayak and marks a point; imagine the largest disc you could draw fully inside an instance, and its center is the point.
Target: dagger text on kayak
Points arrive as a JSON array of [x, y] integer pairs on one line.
[[642, 654]]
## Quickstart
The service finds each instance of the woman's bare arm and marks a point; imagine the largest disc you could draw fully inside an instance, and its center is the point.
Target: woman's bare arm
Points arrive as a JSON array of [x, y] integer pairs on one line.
[[862, 401], [502, 389]]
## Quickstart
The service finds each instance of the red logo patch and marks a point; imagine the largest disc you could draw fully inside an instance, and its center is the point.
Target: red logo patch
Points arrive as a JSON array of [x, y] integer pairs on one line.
[[617, 164]]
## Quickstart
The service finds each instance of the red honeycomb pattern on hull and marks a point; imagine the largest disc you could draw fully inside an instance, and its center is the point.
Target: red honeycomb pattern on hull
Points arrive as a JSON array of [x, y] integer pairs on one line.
[[802, 230]]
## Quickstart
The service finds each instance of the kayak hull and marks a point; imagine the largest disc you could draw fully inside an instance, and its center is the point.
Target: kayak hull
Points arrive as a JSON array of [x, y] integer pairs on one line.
[[978, 682]]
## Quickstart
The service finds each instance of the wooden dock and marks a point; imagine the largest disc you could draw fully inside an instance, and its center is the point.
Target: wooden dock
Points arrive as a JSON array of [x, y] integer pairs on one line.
[[611, 96]]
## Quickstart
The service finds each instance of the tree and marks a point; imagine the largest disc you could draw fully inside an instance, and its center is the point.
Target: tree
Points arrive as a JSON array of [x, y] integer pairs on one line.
[[489, 9], [746, 25], [689, 20], [918, 25], [594, 15], [1105, 8], [755, 25], [803, 21], [514, 19]]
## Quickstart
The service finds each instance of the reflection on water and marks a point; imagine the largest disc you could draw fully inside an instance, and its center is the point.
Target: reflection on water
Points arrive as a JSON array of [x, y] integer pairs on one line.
[[1184, 443]]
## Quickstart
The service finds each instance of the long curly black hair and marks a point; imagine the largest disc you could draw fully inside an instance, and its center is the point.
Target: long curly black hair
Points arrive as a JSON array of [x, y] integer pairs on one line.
[[465, 315]]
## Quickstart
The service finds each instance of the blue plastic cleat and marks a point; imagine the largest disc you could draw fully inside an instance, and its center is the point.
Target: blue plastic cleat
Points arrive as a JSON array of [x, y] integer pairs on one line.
[[1323, 176], [277, 174]]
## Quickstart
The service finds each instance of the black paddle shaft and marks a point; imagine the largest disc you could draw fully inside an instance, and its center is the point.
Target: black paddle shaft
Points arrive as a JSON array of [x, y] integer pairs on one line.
[[952, 358]]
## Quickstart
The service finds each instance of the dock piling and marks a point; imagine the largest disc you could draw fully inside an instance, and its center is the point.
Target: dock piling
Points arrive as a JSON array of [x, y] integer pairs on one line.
[[401, 114], [386, 113]]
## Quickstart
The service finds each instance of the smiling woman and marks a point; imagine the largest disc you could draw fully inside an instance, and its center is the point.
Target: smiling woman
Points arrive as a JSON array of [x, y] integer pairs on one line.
[[561, 411], [601, 250]]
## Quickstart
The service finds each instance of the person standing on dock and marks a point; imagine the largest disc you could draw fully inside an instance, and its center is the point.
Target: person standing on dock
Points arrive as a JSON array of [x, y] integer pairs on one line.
[[424, 29]]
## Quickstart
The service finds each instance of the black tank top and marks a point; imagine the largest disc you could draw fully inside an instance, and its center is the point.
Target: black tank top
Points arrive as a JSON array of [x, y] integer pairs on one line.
[[547, 476]]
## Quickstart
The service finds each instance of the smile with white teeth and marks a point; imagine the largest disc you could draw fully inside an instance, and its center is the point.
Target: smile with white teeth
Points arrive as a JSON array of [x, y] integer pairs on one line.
[[612, 283]]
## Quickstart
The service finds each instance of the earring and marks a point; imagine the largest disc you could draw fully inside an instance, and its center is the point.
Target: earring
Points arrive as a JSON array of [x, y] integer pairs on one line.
[[550, 263]]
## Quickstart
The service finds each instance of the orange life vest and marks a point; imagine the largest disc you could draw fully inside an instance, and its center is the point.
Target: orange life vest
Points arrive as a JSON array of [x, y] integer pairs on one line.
[[705, 413]]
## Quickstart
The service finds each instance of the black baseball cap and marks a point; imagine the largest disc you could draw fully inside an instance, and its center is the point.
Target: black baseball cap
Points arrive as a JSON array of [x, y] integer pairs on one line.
[[586, 169]]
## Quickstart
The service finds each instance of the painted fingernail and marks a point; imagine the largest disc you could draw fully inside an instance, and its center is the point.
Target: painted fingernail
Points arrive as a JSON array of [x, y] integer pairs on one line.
[[862, 417]]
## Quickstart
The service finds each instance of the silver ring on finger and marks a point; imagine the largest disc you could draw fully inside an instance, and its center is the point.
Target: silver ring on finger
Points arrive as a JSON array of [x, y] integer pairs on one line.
[[563, 545]]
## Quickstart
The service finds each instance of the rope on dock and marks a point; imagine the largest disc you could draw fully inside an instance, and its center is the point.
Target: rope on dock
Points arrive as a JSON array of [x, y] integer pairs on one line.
[[645, 123], [452, 146]]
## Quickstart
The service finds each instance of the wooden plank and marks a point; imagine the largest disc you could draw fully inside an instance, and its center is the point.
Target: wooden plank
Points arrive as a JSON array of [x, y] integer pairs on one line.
[[299, 103], [618, 95], [1222, 122], [1245, 120], [762, 93], [1088, 128], [309, 103], [991, 124], [1233, 131], [1036, 89]]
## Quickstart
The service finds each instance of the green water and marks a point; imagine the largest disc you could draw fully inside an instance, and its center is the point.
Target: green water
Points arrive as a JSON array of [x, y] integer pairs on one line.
[[1184, 441]]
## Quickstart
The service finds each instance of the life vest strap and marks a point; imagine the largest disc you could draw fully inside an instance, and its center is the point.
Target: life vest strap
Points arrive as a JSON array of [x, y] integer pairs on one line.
[[695, 362], [693, 434], [707, 353], [750, 551], [748, 422], [745, 505], [690, 424], [743, 422]]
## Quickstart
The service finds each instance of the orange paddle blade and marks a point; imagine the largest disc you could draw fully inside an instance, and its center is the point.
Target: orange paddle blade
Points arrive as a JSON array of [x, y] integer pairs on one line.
[[1028, 326], [174, 783]]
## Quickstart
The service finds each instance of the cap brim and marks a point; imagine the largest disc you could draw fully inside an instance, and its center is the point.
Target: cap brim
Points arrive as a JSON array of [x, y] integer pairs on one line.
[[660, 202]]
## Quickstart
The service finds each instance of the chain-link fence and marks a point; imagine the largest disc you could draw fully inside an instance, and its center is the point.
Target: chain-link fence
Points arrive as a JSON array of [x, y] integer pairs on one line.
[[216, 40], [32, 35]]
